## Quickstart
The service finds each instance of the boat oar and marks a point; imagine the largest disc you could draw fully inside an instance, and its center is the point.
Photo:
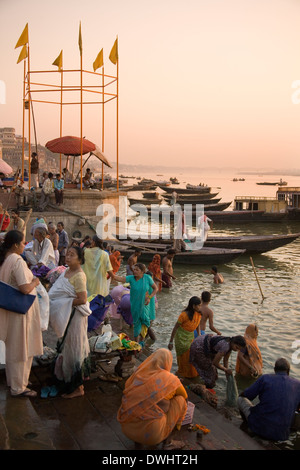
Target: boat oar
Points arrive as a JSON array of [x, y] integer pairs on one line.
[[257, 278]]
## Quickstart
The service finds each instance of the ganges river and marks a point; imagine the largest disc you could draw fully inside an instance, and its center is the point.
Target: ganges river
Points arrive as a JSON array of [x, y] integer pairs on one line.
[[238, 301]]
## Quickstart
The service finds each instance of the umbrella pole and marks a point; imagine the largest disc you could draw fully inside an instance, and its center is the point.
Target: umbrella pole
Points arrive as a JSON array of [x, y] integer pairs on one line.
[[83, 165], [73, 167]]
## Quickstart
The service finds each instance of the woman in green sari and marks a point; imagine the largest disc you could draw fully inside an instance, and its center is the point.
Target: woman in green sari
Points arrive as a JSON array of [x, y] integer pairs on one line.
[[183, 331], [142, 290]]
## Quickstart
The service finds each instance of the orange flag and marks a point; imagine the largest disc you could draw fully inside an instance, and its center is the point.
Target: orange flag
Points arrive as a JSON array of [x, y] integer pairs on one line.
[[23, 54], [113, 56], [23, 39]]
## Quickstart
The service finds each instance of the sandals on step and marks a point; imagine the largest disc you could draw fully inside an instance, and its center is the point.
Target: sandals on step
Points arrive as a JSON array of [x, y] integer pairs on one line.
[[27, 393]]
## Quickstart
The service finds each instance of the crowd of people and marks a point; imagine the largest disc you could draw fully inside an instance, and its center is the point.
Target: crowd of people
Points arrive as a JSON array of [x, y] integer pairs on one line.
[[154, 399]]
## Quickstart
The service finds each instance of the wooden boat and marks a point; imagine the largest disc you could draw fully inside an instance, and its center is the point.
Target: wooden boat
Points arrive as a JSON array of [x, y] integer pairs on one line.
[[187, 197], [244, 216], [174, 180], [255, 244], [199, 189], [145, 201], [205, 256], [205, 201], [267, 184], [220, 206]]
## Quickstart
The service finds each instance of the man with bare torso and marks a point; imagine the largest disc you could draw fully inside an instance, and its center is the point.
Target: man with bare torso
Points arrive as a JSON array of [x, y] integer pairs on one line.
[[207, 314], [132, 260], [167, 265], [218, 278]]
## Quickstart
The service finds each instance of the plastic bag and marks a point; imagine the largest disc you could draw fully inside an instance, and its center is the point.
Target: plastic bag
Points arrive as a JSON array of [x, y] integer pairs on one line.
[[231, 392], [99, 306], [100, 343], [44, 304]]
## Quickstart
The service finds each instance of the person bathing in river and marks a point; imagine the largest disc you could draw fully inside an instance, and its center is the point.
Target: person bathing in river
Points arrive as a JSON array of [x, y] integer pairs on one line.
[[206, 314], [167, 265], [132, 260], [218, 278]]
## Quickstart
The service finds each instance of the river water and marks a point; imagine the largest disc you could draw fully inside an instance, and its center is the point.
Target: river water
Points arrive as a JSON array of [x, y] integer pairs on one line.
[[238, 301]]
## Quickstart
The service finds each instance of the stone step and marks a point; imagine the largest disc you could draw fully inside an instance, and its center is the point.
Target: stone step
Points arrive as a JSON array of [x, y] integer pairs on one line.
[[224, 434], [22, 428]]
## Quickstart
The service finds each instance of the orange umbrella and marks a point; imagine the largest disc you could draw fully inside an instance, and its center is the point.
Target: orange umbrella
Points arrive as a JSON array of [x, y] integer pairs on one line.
[[70, 145]]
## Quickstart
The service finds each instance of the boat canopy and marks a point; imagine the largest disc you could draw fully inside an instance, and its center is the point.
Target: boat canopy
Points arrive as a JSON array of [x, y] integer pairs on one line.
[[256, 203]]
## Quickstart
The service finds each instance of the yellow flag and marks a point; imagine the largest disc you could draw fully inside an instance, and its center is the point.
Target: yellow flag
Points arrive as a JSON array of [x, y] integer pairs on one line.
[[23, 39], [59, 61], [113, 56], [80, 39], [99, 61], [23, 54]]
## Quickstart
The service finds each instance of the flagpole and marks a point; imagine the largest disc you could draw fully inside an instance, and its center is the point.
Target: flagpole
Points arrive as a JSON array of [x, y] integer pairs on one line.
[[102, 125], [29, 118], [118, 119], [81, 143], [61, 106], [23, 124]]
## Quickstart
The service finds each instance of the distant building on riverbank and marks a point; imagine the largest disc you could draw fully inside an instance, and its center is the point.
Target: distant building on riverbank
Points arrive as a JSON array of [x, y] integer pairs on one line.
[[11, 148]]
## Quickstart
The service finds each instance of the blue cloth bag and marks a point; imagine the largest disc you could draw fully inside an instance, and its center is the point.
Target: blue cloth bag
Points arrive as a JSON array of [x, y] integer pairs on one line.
[[12, 299], [99, 306]]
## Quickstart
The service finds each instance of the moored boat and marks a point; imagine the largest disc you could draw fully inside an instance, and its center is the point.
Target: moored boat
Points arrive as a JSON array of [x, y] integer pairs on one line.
[[255, 244], [245, 216], [205, 256], [193, 197], [198, 189]]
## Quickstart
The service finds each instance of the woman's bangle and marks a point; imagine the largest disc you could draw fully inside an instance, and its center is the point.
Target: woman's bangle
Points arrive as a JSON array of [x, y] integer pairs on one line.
[[170, 342]]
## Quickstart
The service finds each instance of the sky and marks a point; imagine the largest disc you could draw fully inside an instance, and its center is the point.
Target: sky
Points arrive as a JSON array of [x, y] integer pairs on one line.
[[201, 82]]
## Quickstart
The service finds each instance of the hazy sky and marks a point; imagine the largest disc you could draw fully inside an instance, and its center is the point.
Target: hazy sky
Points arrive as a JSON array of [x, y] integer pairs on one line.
[[202, 82]]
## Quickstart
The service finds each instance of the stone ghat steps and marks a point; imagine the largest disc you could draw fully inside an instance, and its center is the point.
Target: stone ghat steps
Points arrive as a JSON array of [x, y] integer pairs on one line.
[[90, 422]]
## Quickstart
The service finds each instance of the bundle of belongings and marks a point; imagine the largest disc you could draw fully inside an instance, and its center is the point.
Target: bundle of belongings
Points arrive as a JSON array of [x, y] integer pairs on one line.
[[109, 341]]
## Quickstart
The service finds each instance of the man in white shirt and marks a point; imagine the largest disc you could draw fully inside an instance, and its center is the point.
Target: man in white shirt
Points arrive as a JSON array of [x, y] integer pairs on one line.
[[42, 252]]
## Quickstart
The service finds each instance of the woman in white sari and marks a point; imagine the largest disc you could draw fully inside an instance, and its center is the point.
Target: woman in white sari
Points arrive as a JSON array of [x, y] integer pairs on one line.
[[69, 311]]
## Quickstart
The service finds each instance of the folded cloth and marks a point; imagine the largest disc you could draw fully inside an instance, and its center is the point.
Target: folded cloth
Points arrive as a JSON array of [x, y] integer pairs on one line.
[[61, 296]]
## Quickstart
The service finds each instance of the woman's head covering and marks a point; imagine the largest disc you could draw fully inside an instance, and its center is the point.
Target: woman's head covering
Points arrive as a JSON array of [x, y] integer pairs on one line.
[[254, 354], [149, 384], [115, 262]]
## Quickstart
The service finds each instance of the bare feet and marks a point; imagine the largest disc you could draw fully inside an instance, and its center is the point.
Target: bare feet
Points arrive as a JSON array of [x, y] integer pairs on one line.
[[79, 392]]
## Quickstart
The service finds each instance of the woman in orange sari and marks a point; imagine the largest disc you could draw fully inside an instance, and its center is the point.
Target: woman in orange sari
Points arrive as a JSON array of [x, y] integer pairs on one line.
[[115, 260], [154, 268], [154, 401], [249, 360], [183, 331]]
